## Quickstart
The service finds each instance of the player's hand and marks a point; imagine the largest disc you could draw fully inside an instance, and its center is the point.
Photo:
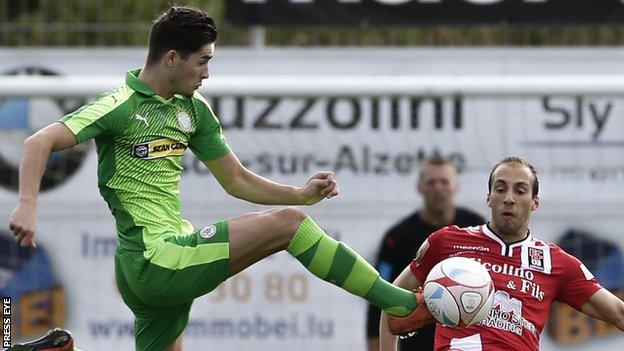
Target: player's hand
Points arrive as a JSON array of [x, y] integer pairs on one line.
[[22, 224], [322, 185]]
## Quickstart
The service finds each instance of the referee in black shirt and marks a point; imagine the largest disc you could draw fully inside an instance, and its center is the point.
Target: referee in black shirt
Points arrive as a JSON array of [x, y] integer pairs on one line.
[[438, 185]]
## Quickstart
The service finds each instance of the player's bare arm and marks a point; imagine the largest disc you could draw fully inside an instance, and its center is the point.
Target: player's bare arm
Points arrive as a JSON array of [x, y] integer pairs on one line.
[[606, 307], [37, 149], [241, 183]]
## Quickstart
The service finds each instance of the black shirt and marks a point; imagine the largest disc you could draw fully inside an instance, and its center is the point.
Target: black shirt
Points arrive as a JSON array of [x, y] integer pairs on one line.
[[397, 250]]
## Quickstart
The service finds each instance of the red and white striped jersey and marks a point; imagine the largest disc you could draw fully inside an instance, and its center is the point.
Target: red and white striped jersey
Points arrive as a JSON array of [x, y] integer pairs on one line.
[[528, 276]]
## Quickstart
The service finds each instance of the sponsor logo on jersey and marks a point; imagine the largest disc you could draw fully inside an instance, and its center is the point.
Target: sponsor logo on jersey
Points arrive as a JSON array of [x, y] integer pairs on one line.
[[158, 149], [507, 269], [208, 232], [526, 285], [506, 314], [505, 303], [184, 120], [536, 258]]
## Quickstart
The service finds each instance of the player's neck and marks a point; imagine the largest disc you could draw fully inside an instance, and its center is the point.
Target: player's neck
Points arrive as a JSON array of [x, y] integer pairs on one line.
[[438, 219], [156, 81], [509, 238]]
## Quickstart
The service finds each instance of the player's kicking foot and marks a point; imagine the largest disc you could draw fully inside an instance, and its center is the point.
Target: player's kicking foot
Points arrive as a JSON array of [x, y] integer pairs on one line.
[[413, 321], [55, 340]]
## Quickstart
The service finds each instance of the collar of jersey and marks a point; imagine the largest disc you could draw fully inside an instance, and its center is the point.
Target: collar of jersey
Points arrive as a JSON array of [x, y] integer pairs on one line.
[[506, 248], [132, 80]]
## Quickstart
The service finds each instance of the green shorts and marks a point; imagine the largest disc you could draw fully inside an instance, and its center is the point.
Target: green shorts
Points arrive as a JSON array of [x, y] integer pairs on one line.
[[160, 295]]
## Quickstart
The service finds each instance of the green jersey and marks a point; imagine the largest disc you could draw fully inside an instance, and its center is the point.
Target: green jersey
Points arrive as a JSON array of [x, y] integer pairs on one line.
[[140, 139]]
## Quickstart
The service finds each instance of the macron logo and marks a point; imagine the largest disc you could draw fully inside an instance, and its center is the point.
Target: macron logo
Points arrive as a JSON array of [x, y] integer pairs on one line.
[[141, 118], [470, 248]]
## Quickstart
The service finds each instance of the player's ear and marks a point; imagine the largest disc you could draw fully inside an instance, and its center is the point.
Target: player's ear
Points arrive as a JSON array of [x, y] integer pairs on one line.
[[487, 199], [536, 202], [170, 58]]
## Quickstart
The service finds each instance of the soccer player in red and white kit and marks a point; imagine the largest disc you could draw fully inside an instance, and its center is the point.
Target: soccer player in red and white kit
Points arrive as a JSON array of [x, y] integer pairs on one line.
[[528, 274]]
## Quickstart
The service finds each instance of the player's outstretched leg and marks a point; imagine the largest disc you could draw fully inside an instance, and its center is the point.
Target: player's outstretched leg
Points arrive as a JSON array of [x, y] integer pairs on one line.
[[257, 235], [55, 340], [338, 264]]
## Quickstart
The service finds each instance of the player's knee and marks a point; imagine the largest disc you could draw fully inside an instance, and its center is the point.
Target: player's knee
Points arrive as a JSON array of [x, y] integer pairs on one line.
[[290, 218], [293, 214]]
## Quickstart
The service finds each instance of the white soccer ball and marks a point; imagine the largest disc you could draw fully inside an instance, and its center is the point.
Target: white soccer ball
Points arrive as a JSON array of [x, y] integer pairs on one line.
[[459, 292]]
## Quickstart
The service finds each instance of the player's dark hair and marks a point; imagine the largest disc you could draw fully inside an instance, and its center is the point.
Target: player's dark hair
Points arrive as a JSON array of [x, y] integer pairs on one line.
[[181, 28], [514, 159]]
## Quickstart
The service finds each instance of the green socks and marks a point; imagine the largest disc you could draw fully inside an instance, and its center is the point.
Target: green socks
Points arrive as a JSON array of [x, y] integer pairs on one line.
[[337, 263]]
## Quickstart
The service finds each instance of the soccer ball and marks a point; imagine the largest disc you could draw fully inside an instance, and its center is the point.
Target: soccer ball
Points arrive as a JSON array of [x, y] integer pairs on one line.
[[458, 292]]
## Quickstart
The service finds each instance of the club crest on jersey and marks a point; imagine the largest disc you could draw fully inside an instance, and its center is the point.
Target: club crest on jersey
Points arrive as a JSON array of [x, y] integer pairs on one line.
[[184, 120], [158, 149], [208, 232], [536, 258]]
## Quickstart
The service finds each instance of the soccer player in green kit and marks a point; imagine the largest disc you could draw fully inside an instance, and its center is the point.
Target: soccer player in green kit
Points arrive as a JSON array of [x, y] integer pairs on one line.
[[163, 263]]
